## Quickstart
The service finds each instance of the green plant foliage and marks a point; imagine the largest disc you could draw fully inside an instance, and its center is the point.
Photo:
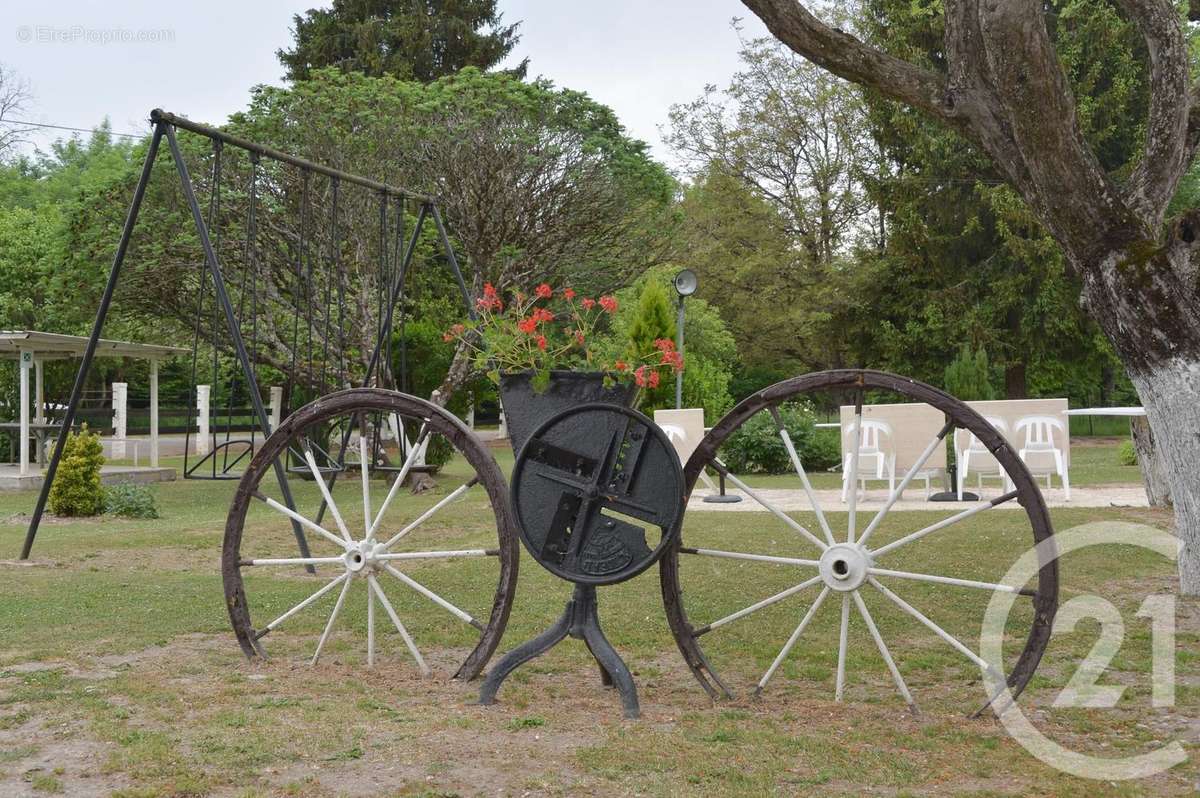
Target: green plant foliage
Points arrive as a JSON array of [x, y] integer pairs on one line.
[[77, 489], [420, 40], [652, 321], [1127, 454], [706, 385], [130, 500], [756, 447], [968, 377]]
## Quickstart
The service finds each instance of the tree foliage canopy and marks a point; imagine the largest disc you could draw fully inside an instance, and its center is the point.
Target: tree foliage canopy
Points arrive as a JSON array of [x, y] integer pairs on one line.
[[420, 40]]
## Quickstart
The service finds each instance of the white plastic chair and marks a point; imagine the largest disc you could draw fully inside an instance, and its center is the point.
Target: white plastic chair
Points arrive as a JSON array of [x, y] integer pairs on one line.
[[1039, 449], [876, 455], [986, 464]]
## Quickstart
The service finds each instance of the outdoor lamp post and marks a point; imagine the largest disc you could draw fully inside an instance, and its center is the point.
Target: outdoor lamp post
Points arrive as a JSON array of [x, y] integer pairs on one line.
[[685, 286]]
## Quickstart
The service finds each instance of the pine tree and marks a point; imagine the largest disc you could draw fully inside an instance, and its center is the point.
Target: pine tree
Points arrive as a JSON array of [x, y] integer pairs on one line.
[[420, 40]]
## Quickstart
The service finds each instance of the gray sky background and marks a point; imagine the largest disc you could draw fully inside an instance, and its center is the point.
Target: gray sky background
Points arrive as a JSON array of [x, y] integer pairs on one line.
[[201, 59]]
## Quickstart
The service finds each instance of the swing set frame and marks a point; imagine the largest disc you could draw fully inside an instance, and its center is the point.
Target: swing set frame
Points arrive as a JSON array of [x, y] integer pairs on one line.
[[165, 126]]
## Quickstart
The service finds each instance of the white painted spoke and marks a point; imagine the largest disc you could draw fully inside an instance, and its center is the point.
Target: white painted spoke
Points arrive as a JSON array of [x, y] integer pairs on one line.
[[944, 580], [315, 596], [364, 467], [883, 650], [854, 456], [400, 477], [295, 516], [439, 555], [812, 612], [933, 627], [294, 561], [320, 480], [738, 555], [945, 522], [912, 472], [370, 627], [434, 597], [843, 643], [767, 602], [808, 489], [408, 641], [425, 516], [780, 514], [337, 608]]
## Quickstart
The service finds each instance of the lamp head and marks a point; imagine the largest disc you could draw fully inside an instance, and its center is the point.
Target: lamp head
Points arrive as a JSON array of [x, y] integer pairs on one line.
[[686, 282]]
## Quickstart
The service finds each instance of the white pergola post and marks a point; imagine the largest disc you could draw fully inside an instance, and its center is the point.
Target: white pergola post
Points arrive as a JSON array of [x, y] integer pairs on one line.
[[39, 392], [26, 361], [276, 406], [153, 413], [120, 400], [202, 394]]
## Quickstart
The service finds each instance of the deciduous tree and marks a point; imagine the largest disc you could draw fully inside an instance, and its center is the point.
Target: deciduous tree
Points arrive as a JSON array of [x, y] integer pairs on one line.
[[1000, 83]]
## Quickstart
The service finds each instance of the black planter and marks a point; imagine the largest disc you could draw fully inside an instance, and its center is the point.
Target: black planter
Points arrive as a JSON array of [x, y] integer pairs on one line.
[[525, 408]]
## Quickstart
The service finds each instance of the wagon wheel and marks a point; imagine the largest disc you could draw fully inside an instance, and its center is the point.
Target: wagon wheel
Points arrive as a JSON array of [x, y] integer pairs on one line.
[[400, 549], [841, 559]]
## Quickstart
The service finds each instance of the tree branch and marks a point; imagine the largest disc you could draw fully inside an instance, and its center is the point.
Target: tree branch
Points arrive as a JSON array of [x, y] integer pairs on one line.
[[849, 58], [1167, 154], [1040, 112]]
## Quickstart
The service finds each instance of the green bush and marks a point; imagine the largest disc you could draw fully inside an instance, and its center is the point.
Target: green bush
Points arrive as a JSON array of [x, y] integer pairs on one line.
[[968, 376], [130, 500], [756, 447], [77, 490], [1126, 454]]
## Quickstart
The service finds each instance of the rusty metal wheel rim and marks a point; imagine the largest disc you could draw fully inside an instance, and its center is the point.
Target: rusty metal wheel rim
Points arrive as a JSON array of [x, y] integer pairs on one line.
[[848, 561], [366, 555]]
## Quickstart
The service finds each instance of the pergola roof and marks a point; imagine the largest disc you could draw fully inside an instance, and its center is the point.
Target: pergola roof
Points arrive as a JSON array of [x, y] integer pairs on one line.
[[55, 345]]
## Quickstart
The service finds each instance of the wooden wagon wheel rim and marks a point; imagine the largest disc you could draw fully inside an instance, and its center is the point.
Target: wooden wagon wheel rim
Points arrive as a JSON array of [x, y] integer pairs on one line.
[[363, 554], [862, 570]]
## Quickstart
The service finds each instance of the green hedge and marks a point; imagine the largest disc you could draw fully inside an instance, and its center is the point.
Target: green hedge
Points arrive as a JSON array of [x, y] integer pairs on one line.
[[756, 448]]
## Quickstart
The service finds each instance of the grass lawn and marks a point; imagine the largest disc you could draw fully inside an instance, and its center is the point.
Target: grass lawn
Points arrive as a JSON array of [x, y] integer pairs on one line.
[[119, 675]]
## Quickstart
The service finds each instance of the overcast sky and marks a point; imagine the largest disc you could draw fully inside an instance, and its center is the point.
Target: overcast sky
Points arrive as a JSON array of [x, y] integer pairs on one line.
[[86, 60]]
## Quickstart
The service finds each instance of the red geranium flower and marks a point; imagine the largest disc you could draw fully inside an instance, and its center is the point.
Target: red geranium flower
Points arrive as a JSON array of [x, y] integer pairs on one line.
[[579, 337], [588, 304], [609, 303], [528, 326], [544, 291], [639, 376], [654, 379], [664, 345], [541, 342], [620, 365], [569, 293]]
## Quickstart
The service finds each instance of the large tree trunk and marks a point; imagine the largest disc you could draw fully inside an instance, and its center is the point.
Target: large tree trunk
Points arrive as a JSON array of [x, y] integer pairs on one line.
[[1172, 399], [1150, 461], [1015, 386], [1160, 346]]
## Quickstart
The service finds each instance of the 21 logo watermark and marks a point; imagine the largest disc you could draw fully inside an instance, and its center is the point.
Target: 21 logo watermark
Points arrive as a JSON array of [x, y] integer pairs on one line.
[[1084, 690]]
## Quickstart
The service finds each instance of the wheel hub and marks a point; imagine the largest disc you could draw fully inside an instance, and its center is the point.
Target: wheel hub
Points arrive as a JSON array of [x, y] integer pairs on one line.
[[363, 558], [843, 567]]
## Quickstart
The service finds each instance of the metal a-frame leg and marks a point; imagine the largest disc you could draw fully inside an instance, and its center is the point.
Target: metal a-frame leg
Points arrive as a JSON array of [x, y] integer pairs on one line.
[[235, 333], [580, 620], [89, 352]]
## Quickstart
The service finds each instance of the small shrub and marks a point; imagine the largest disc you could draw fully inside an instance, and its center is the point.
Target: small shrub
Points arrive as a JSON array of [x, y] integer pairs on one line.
[[967, 377], [1127, 454], [130, 500], [756, 448], [77, 490]]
